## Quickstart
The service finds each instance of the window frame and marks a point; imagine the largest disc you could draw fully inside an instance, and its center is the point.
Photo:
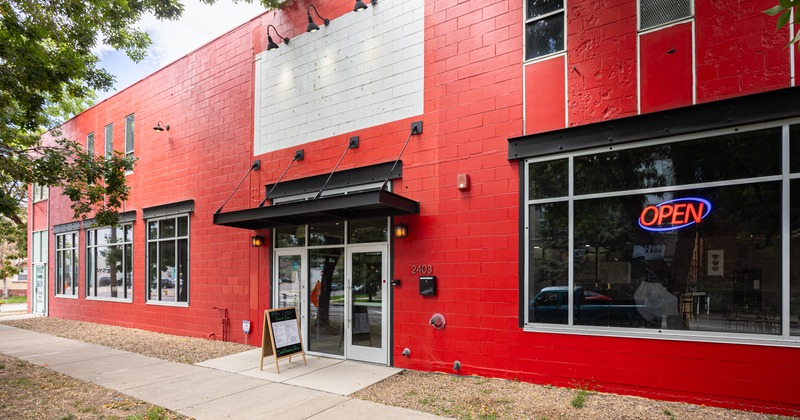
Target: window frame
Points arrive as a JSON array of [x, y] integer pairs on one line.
[[129, 138], [784, 338], [108, 140], [39, 193], [159, 300], [92, 249], [527, 21], [60, 256]]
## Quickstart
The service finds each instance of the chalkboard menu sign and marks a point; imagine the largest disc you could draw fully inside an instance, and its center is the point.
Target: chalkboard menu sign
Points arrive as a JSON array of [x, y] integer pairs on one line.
[[283, 333]]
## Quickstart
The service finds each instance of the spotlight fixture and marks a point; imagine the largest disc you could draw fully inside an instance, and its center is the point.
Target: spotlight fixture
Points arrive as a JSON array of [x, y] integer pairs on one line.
[[256, 241], [360, 5], [160, 127], [271, 45], [312, 27]]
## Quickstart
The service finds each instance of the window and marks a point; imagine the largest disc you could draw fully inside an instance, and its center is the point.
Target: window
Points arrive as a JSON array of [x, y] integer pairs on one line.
[[109, 262], [678, 236], [168, 259], [129, 136], [90, 143], [67, 264], [109, 140], [654, 13], [40, 192], [544, 28]]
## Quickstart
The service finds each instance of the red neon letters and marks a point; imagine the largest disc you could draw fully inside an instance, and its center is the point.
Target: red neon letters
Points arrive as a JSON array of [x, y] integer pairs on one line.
[[674, 214]]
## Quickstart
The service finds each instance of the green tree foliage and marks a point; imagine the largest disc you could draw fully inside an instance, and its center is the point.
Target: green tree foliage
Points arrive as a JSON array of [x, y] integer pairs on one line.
[[786, 10]]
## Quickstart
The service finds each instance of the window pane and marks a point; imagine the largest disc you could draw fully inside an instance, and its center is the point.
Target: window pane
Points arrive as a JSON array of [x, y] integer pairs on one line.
[[541, 7], [368, 230], [90, 143], [757, 153], [544, 36], [290, 236], [109, 140], [548, 179], [128, 269], [166, 228], [794, 148], [657, 12], [326, 234], [129, 134], [326, 331], [721, 274], [182, 276], [183, 226], [152, 230], [794, 277], [152, 270], [548, 263], [167, 270]]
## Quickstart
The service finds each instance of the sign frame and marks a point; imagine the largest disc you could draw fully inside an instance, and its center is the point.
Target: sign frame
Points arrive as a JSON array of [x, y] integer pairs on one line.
[[280, 319]]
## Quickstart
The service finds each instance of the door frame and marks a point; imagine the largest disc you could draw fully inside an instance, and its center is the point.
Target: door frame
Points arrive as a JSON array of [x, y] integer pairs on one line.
[[368, 354], [302, 306]]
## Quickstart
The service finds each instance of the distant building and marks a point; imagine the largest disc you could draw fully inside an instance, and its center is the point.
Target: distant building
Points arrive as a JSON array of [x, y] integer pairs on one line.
[[594, 193]]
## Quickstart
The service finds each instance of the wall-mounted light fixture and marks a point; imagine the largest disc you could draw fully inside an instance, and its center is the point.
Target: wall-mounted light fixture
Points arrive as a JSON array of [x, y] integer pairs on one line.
[[312, 27], [360, 5], [160, 127], [271, 45], [257, 241], [400, 230]]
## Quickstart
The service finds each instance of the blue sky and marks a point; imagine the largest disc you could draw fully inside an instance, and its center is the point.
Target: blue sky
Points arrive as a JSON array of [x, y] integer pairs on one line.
[[199, 24]]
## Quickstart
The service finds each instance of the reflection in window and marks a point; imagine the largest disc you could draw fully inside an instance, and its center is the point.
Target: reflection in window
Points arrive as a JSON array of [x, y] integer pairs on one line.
[[595, 260], [109, 266], [544, 28], [290, 236], [367, 230], [331, 233], [67, 264], [326, 300], [168, 259]]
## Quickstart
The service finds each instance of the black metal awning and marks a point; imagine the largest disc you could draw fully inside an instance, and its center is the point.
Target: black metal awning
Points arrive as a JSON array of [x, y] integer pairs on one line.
[[357, 205]]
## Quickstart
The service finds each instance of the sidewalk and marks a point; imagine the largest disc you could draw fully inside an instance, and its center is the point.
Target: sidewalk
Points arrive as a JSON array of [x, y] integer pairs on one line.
[[229, 387]]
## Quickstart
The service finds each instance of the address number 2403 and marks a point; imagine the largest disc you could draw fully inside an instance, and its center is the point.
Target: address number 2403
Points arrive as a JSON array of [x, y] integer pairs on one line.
[[421, 269]]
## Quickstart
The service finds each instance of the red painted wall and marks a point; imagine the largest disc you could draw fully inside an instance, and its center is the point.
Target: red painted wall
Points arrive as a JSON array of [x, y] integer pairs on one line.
[[473, 103], [545, 95], [666, 63]]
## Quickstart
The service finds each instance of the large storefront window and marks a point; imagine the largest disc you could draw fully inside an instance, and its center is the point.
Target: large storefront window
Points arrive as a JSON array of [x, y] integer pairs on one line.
[[67, 264], [674, 237], [109, 262], [168, 260]]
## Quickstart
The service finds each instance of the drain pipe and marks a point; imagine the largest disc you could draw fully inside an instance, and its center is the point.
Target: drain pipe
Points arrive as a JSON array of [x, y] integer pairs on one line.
[[225, 322]]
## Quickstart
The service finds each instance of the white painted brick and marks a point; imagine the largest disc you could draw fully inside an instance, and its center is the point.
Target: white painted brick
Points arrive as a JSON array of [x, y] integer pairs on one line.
[[343, 78]]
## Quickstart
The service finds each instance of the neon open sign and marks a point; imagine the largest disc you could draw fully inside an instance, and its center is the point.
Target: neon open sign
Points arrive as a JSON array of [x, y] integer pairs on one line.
[[674, 214]]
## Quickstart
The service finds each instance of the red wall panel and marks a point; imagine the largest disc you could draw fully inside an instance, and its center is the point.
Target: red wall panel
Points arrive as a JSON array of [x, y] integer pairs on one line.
[[666, 64], [545, 96]]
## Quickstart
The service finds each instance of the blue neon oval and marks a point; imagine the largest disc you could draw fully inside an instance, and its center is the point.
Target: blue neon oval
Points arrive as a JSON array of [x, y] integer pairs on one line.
[[676, 227]]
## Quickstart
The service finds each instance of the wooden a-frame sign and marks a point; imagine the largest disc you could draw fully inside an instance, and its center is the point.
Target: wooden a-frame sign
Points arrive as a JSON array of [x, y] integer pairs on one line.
[[282, 329]]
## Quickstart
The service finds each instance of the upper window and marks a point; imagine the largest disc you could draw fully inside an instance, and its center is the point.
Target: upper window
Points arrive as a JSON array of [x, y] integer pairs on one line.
[[168, 259], [129, 135], [109, 140], [40, 192], [544, 28], [109, 262], [654, 13], [67, 264], [90, 143], [683, 236]]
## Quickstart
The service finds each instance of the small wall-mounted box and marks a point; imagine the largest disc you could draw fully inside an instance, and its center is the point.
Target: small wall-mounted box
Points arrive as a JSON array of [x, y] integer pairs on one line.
[[427, 285]]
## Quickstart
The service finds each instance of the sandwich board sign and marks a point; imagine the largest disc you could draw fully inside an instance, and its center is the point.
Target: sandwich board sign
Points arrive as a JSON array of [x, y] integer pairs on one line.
[[282, 336]]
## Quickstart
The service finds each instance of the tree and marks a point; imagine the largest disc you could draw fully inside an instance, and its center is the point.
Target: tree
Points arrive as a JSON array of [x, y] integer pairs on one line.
[[48, 73], [786, 10]]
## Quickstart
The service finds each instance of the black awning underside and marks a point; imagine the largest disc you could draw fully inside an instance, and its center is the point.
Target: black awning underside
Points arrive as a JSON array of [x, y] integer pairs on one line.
[[375, 203]]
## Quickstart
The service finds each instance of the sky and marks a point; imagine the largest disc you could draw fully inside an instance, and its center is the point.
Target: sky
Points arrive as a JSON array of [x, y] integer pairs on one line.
[[199, 24]]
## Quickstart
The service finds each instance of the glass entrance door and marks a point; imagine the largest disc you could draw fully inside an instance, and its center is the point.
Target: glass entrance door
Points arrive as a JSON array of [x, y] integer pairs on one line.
[[39, 292], [367, 295]]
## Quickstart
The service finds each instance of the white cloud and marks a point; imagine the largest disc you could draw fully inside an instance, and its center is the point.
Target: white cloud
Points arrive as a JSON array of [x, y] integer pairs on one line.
[[199, 24]]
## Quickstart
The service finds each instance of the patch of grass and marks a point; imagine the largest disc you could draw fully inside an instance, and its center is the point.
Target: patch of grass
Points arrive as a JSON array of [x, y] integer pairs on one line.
[[426, 401], [14, 299], [68, 417], [579, 401], [411, 393], [668, 414], [154, 413]]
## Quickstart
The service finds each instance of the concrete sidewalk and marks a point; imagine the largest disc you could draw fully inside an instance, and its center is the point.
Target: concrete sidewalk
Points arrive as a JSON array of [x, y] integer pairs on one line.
[[229, 387]]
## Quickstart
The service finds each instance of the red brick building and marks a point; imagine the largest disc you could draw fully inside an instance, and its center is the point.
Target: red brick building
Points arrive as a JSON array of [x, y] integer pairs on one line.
[[594, 193]]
